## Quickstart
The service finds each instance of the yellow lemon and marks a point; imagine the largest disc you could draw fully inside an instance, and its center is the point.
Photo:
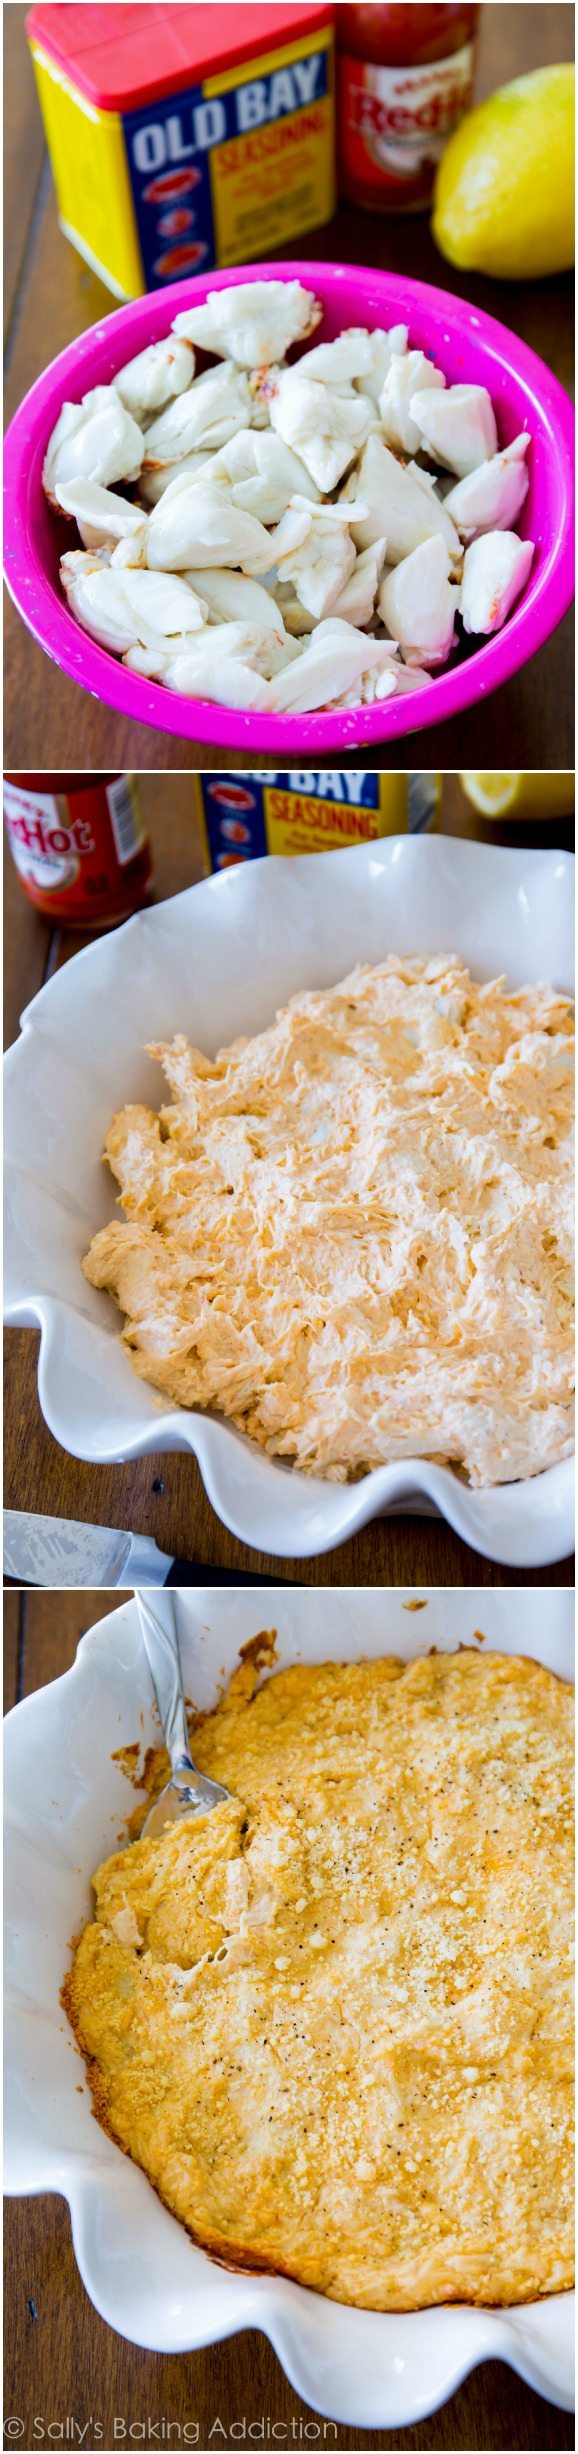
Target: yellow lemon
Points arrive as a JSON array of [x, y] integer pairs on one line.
[[504, 194], [531, 794]]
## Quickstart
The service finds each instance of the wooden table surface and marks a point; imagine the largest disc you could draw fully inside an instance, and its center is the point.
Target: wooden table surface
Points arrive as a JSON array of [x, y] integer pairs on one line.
[[38, 1473], [51, 297], [62, 2362]]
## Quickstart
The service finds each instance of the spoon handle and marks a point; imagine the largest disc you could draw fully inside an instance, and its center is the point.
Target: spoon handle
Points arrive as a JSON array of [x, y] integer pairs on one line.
[[159, 1634]]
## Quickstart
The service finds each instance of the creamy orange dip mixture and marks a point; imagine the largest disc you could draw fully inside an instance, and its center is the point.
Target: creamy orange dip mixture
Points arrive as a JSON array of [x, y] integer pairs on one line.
[[332, 2019], [352, 1235]]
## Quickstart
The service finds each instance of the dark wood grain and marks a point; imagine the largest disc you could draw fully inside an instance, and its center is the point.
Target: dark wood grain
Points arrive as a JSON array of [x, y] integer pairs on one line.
[[38, 1473], [529, 722], [14, 1612], [63, 2365], [24, 155]]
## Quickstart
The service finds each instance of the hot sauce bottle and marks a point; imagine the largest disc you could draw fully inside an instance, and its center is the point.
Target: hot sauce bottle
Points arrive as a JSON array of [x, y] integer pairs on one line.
[[80, 846], [404, 80]]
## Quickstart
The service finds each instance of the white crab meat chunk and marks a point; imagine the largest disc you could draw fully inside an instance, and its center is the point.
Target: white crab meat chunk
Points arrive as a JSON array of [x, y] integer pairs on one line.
[[410, 677], [357, 357], [154, 482], [326, 427], [381, 682], [102, 517], [356, 601], [231, 597], [262, 474], [338, 362], [456, 427], [130, 554], [196, 525], [383, 348], [214, 408], [314, 551], [155, 376], [418, 604], [227, 680], [401, 504], [335, 661], [122, 608], [405, 376], [97, 438], [298, 623], [254, 324], [493, 495], [496, 568], [247, 642]]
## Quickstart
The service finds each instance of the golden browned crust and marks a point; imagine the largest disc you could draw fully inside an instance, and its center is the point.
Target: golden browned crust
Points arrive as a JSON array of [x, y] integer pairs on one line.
[[333, 2019]]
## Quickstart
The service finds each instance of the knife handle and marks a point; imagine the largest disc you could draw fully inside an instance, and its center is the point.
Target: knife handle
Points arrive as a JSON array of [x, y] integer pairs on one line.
[[194, 1572]]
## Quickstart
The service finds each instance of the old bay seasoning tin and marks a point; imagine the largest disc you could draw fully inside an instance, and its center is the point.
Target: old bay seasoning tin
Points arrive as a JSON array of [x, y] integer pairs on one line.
[[185, 137], [318, 810]]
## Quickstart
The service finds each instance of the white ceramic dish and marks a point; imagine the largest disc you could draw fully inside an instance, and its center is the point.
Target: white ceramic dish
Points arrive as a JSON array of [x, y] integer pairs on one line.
[[213, 962], [65, 1803]]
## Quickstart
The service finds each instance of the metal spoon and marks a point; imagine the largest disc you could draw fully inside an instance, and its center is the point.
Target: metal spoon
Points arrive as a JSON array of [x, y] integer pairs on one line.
[[188, 1792]]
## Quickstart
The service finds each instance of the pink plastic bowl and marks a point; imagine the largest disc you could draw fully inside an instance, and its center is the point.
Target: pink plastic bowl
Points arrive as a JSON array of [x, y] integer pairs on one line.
[[470, 348]]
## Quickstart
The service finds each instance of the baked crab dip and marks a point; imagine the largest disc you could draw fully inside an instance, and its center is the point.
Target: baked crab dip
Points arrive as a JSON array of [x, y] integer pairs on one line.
[[284, 536], [332, 2019], [351, 1235]]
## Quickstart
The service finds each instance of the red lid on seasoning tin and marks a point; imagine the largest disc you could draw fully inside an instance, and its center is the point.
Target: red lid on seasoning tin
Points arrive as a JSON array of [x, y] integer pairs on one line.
[[120, 56]]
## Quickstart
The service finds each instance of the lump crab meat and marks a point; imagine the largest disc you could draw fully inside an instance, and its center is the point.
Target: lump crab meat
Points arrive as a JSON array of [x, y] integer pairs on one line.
[[215, 407], [289, 546], [381, 349], [262, 474], [102, 517], [120, 608], [97, 439], [231, 597], [456, 427], [154, 482], [335, 660], [315, 553], [401, 505], [196, 524], [247, 643], [227, 683], [356, 601], [496, 568], [406, 376], [155, 376], [418, 604], [326, 427], [493, 495], [254, 324]]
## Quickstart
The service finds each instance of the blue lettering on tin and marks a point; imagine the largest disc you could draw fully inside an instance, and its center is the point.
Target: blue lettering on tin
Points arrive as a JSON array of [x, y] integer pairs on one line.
[[168, 155]]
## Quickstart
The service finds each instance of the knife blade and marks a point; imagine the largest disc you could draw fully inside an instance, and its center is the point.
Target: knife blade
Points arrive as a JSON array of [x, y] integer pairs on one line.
[[66, 1552]]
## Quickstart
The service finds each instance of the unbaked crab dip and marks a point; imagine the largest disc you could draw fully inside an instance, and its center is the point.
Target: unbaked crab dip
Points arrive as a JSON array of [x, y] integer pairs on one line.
[[332, 2019], [352, 1234]]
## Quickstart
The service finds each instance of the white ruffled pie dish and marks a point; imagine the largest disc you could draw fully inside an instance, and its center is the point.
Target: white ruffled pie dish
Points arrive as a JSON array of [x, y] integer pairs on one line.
[[214, 962], [66, 1800]]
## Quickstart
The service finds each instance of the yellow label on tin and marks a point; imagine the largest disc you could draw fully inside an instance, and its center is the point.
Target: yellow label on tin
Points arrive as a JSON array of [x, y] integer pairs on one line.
[[87, 152], [274, 178], [300, 822]]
